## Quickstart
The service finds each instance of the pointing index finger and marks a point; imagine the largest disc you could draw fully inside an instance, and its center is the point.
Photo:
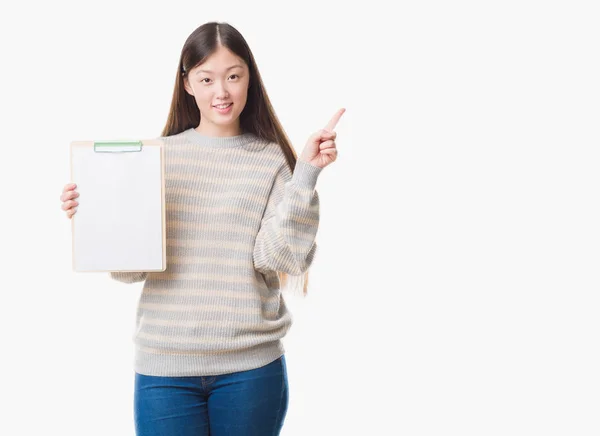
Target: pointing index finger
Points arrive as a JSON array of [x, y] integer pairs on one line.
[[333, 122]]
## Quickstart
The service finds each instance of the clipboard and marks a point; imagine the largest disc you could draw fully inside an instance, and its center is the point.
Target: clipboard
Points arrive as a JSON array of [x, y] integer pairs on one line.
[[120, 223]]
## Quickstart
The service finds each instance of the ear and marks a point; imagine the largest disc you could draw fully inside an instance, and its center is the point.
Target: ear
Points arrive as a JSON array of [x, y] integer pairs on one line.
[[187, 86]]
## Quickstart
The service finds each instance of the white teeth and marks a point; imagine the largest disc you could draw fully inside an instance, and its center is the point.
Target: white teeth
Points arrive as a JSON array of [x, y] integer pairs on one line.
[[223, 106]]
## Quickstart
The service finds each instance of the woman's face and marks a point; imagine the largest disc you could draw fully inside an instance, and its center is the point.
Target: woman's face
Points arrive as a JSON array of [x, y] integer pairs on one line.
[[220, 88]]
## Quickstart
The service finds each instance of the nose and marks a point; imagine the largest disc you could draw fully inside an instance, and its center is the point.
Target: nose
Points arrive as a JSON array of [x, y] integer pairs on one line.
[[221, 91]]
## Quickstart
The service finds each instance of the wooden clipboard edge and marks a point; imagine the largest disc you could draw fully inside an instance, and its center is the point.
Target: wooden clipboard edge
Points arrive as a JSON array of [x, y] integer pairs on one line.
[[145, 142]]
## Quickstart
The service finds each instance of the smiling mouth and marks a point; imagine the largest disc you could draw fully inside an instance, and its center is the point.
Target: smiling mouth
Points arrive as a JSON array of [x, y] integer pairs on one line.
[[223, 106]]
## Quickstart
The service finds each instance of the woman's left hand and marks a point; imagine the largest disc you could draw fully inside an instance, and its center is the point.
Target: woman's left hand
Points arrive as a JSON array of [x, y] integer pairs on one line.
[[320, 149]]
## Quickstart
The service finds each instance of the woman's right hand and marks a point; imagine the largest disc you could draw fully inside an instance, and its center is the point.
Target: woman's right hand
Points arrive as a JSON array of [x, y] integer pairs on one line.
[[67, 197]]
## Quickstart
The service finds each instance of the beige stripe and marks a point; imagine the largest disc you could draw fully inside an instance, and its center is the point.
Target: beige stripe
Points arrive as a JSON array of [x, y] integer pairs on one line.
[[195, 193], [199, 208], [183, 260], [213, 243], [225, 161], [305, 220], [179, 340], [224, 181], [152, 350], [303, 236], [203, 165], [196, 323], [204, 308], [234, 295], [276, 158], [224, 227], [203, 277]]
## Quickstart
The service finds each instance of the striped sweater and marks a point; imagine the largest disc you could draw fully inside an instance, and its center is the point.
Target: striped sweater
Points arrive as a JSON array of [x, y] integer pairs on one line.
[[235, 214]]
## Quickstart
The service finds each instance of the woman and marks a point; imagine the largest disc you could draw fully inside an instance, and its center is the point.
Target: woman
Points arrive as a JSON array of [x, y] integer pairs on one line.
[[242, 215]]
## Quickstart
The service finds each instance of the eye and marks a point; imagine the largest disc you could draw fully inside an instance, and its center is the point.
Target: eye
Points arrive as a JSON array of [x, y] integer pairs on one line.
[[203, 80], [234, 75]]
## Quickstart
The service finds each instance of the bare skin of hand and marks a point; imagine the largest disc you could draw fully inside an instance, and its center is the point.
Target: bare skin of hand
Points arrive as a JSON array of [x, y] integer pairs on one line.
[[67, 197], [320, 149]]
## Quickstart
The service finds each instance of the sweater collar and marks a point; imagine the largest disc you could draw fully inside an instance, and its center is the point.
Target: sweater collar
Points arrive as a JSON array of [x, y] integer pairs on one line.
[[200, 139]]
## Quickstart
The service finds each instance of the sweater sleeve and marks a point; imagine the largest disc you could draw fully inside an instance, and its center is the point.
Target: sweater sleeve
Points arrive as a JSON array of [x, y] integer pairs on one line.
[[286, 239], [128, 277]]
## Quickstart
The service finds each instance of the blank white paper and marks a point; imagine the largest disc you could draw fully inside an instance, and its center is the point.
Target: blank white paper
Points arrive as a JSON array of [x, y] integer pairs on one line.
[[118, 225]]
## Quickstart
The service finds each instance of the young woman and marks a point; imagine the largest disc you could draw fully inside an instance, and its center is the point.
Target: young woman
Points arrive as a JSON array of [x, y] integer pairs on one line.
[[242, 215]]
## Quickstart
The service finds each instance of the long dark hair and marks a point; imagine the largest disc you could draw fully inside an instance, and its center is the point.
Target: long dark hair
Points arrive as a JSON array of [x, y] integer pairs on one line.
[[257, 117]]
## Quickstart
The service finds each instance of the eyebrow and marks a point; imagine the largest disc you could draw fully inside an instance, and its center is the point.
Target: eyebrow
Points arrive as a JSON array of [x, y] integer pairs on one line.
[[230, 68]]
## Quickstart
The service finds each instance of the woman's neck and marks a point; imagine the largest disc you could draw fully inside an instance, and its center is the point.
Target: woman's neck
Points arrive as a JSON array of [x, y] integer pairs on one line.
[[215, 130]]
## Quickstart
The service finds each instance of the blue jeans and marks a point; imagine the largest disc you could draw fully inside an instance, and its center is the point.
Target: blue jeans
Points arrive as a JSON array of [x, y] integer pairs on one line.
[[245, 403]]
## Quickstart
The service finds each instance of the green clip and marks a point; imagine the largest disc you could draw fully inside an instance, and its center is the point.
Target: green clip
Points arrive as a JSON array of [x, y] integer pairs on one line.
[[117, 146]]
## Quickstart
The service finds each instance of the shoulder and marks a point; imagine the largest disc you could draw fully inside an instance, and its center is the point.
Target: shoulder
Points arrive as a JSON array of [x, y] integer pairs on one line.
[[170, 140], [174, 138]]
